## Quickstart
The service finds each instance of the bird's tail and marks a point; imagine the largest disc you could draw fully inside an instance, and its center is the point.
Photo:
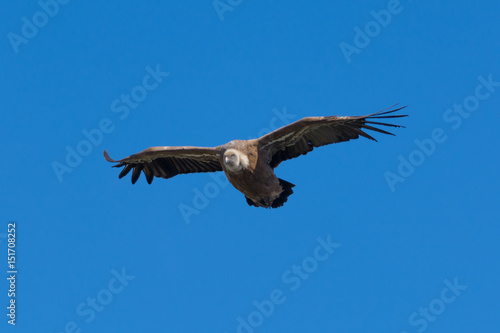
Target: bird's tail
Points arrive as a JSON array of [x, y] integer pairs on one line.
[[287, 191]]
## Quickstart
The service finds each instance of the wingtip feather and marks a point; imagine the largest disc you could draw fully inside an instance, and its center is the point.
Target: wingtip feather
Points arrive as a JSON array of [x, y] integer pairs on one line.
[[388, 110], [136, 173], [107, 158]]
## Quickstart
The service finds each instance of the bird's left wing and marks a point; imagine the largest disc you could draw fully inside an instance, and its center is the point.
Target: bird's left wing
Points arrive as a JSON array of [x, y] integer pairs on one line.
[[166, 162], [304, 135]]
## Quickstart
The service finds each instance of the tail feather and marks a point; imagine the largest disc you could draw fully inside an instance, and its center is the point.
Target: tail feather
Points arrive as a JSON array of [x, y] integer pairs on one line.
[[287, 191], [250, 202], [279, 201]]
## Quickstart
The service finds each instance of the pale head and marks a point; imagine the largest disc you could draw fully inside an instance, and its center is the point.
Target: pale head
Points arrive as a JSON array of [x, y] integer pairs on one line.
[[235, 160]]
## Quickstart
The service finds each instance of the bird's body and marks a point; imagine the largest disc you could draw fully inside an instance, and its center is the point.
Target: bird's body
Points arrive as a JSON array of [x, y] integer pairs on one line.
[[253, 175], [249, 164]]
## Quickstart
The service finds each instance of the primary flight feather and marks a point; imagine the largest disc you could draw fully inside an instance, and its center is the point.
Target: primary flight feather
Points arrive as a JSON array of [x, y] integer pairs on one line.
[[249, 164]]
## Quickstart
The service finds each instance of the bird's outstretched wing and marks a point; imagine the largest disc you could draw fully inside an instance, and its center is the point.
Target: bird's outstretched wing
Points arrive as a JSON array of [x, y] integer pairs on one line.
[[166, 162], [304, 135]]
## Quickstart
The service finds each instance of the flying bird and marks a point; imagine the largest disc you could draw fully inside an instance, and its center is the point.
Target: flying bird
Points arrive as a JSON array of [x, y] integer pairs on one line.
[[249, 164]]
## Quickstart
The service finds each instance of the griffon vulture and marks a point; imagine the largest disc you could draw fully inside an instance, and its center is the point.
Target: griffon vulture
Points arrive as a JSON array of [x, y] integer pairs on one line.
[[249, 164]]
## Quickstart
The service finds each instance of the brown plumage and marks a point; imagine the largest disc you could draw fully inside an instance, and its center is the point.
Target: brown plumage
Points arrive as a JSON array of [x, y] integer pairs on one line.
[[249, 164]]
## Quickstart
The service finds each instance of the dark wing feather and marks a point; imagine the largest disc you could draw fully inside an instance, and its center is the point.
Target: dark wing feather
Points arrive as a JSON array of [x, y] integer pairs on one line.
[[166, 162], [304, 135]]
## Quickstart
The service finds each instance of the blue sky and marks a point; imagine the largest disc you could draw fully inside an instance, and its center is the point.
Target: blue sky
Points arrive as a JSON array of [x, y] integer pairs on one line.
[[399, 235]]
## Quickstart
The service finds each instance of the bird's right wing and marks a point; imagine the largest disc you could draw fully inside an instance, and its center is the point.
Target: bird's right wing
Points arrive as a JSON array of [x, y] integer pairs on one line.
[[166, 162]]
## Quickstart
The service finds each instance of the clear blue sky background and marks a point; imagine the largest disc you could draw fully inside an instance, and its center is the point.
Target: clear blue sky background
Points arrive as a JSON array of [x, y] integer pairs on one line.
[[399, 244]]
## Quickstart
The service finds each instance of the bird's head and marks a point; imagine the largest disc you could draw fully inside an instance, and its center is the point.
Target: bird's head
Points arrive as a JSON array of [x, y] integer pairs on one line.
[[234, 160]]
